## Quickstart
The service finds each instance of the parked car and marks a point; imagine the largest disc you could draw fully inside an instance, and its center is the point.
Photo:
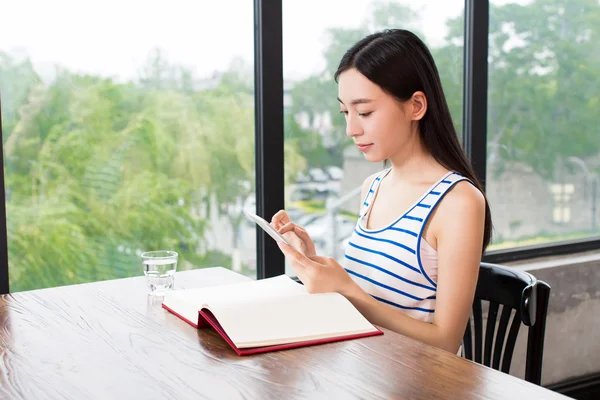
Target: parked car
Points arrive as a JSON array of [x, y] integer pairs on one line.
[[336, 173], [318, 175]]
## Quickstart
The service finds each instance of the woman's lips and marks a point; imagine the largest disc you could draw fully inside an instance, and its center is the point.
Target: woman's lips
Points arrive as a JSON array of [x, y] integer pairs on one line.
[[364, 147]]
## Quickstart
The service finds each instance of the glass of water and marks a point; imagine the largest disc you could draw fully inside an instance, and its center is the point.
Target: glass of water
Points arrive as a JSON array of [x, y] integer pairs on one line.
[[159, 268]]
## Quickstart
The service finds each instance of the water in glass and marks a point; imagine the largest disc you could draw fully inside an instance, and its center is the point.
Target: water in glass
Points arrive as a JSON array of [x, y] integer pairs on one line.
[[160, 274]]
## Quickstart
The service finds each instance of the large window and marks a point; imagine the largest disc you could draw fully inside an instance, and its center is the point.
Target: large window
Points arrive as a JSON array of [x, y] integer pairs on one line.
[[119, 138], [543, 138], [323, 169], [130, 126]]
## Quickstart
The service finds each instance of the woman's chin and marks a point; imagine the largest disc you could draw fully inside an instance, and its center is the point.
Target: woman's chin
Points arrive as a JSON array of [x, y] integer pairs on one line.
[[374, 157]]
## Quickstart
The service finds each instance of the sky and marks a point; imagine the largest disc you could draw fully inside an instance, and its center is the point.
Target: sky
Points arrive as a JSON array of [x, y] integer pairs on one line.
[[114, 37]]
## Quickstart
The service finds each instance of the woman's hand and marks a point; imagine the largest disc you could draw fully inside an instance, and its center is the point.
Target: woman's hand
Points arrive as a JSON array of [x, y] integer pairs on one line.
[[294, 234], [319, 274]]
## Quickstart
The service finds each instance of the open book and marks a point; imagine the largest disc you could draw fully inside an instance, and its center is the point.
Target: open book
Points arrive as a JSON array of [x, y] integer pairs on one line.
[[269, 314]]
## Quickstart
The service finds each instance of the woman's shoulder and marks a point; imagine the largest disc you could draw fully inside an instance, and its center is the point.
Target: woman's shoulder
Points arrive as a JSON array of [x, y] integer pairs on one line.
[[464, 198]]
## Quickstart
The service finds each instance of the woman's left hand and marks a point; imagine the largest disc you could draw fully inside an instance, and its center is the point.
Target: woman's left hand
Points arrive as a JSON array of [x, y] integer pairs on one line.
[[318, 274]]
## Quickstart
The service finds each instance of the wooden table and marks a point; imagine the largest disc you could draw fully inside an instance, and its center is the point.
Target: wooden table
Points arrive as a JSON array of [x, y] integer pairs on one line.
[[110, 340]]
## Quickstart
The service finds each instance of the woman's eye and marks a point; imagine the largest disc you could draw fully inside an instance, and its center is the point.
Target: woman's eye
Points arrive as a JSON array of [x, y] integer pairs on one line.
[[365, 114], [344, 112]]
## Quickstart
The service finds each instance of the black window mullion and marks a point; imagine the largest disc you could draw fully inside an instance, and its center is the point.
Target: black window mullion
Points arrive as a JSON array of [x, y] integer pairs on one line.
[[476, 84], [268, 89], [4, 283]]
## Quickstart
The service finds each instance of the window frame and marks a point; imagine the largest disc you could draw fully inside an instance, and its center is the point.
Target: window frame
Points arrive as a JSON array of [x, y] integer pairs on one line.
[[269, 136], [4, 282]]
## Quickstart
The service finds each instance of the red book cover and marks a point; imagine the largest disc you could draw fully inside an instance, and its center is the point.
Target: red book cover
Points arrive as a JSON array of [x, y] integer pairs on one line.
[[206, 318]]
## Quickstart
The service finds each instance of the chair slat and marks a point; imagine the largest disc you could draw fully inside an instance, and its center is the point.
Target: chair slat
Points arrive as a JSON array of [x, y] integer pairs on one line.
[[535, 337], [477, 325], [501, 335], [490, 329], [510, 343], [515, 291], [468, 342]]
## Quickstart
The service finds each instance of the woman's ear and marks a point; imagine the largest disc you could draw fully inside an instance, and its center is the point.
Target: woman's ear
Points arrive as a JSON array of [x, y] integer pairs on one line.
[[418, 102]]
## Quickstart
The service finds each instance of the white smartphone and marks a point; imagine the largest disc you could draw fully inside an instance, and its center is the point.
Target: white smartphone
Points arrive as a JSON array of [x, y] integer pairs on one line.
[[267, 228]]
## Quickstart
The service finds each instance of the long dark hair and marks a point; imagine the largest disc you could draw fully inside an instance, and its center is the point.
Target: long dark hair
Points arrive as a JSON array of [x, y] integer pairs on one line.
[[399, 62]]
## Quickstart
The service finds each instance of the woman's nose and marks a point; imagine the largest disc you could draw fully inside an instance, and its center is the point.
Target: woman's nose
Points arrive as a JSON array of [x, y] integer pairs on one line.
[[353, 128]]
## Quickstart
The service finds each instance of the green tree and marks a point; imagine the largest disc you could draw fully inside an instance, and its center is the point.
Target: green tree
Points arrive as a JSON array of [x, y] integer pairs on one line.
[[543, 83], [98, 171], [231, 143], [449, 61], [94, 181], [308, 142], [16, 82]]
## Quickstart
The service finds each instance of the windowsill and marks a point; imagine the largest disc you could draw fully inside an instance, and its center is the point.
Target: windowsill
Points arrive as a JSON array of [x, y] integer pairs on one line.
[[565, 260], [572, 326]]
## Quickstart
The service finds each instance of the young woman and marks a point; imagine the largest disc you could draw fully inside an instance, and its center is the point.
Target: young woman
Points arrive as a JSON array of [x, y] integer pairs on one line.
[[412, 262]]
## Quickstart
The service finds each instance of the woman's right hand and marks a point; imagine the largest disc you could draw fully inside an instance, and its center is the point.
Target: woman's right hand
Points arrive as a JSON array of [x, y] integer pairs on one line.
[[294, 234]]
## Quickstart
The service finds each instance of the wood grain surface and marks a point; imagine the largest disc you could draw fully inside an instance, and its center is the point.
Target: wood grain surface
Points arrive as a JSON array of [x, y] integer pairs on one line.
[[110, 340]]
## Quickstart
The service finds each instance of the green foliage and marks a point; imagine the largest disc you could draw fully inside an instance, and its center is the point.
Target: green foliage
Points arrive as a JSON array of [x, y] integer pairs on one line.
[[308, 142], [98, 171], [16, 82], [544, 91]]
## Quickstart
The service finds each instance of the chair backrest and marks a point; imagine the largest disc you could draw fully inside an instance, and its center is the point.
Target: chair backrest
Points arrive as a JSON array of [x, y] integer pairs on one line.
[[525, 299]]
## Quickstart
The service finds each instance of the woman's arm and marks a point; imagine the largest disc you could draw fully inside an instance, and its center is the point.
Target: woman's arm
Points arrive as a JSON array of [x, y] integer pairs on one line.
[[458, 226]]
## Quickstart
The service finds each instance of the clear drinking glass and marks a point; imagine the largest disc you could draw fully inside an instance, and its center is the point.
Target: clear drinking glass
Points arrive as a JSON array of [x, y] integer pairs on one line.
[[159, 268]]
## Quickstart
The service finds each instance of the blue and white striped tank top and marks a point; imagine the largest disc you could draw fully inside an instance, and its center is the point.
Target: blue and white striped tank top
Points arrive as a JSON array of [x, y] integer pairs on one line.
[[387, 263]]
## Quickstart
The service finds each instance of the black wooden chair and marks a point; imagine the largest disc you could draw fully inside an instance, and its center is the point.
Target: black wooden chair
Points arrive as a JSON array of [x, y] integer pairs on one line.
[[516, 290]]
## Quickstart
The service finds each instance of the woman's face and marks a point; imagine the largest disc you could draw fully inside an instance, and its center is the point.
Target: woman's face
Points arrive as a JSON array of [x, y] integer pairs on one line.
[[380, 125]]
